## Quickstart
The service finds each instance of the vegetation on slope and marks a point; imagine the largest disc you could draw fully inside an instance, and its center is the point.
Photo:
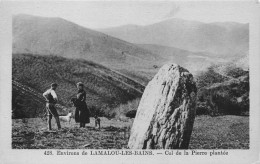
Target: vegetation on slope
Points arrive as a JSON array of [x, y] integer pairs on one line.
[[105, 88], [27, 102], [223, 92]]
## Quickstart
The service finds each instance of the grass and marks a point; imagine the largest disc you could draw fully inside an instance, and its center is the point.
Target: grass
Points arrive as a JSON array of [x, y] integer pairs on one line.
[[32, 134], [222, 132], [105, 88]]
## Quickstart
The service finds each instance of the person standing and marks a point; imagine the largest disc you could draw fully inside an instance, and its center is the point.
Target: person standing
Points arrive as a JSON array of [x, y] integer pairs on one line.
[[82, 112], [51, 99]]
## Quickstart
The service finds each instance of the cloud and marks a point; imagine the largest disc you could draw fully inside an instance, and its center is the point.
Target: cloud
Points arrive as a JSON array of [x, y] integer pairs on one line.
[[174, 10]]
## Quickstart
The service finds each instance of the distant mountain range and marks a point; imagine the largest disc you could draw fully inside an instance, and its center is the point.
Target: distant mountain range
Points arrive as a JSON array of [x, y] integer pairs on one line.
[[220, 38], [174, 40], [56, 36]]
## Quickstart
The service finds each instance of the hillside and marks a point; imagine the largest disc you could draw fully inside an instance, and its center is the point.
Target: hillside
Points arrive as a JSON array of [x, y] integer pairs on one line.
[[105, 88], [223, 90], [56, 36], [188, 59], [28, 102], [221, 38]]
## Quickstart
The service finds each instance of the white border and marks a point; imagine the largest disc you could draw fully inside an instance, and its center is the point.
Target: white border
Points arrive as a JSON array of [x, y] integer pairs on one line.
[[7, 155]]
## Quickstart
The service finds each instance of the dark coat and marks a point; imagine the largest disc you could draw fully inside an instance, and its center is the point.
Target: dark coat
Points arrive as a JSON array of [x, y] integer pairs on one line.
[[82, 112]]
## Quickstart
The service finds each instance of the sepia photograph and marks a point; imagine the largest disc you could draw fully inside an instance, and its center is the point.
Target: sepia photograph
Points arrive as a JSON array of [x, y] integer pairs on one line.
[[131, 75], [84, 82]]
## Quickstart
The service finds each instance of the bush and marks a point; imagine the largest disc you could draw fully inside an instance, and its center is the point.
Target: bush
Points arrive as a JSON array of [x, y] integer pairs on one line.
[[131, 113], [220, 96], [231, 97], [202, 108], [235, 72], [123, 109], [209, 77]]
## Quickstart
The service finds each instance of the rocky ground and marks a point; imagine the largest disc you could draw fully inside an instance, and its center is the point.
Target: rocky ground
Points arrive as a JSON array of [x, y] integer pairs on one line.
[[223, 132]]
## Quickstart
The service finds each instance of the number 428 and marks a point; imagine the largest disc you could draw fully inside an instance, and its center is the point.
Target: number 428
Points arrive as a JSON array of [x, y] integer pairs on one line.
[[48, 153]]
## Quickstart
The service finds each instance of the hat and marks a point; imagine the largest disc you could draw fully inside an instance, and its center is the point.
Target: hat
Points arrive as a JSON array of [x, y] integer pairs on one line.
[[80, 84], [54, 84]]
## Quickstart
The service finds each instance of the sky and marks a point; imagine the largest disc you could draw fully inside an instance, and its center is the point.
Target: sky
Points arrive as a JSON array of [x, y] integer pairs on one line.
[[104, 14]]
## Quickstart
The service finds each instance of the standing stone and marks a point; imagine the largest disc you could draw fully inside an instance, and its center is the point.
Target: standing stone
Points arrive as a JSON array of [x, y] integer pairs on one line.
[[165, 116]]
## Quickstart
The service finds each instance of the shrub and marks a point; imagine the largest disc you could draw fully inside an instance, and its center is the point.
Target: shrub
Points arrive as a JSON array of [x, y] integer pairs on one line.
[[235, 72], [94, 110], [209, 77], [131, 114], [123, 109], [202, 108], [220, 96]]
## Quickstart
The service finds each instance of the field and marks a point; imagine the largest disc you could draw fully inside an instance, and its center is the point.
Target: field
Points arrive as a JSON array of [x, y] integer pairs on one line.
[[222, 132]]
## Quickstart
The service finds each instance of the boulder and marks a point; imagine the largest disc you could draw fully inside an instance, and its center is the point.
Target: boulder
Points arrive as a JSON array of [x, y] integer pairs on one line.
[[165, 116]]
